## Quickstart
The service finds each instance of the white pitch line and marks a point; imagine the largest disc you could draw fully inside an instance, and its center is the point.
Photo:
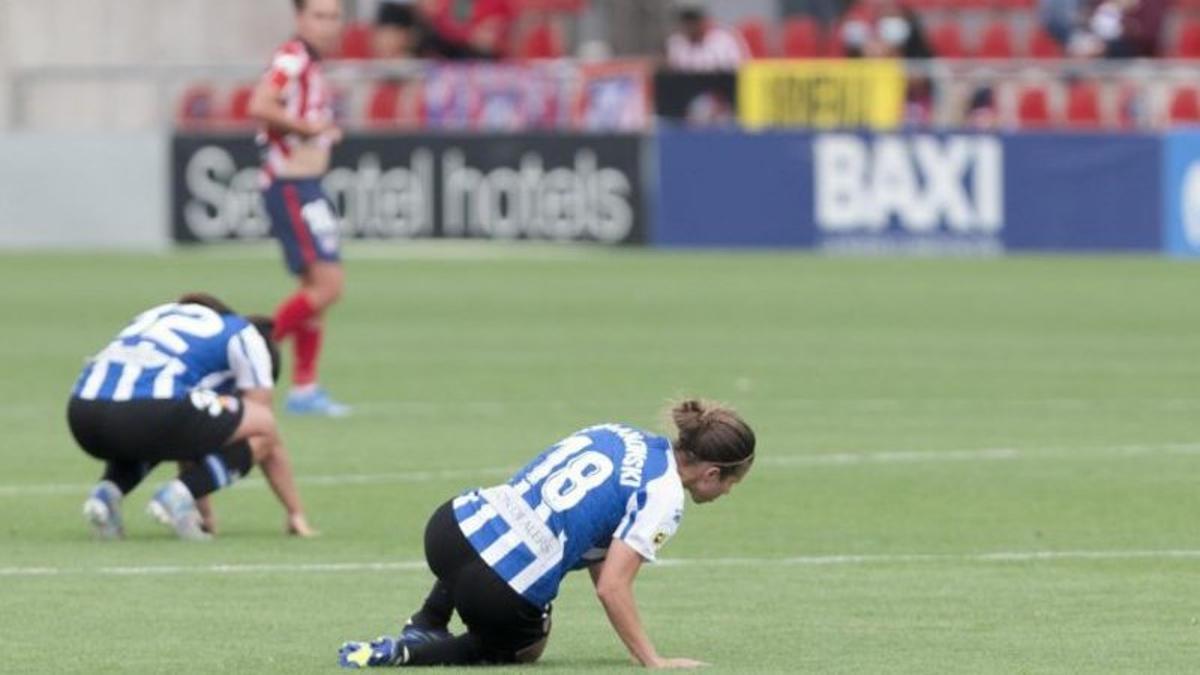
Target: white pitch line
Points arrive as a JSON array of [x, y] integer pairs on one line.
[[385, 478], [796, 561], [783, 461], [894, 457]]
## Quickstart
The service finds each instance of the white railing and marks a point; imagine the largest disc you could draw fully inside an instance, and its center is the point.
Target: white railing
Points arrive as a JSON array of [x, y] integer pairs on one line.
[[1133, 95]]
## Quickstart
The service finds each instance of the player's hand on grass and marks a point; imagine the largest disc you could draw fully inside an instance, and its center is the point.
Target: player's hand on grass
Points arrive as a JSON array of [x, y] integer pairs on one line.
[[678, 663], [297, 525], [208, 523]]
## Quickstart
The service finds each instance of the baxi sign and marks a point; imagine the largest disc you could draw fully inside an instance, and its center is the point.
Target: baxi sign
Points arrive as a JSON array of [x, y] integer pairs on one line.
[[908, 192], [928, 190]]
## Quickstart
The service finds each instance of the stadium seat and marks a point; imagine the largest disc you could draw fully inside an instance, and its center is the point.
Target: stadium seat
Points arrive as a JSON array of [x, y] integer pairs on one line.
[[1033, 108], [356, 42], [239, 104], [996, 42], [542, 41], [383, 108], [1184, 107], [947, 41], [394, 104], [1042, 46], [801, 38], [1083, 105], [1187, 43], [197, 106], [754, 34]]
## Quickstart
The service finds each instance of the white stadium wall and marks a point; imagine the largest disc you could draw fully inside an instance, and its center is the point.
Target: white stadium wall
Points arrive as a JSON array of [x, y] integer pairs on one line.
[[83, 191], [36, 34], [87, 167]]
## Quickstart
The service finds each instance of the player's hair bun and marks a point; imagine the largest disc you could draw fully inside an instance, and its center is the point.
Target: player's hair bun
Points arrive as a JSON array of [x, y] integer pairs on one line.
[[688, 417], [711, 432]]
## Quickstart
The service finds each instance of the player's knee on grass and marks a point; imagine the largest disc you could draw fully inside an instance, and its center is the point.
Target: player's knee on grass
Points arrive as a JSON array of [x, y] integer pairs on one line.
[[533, 652]]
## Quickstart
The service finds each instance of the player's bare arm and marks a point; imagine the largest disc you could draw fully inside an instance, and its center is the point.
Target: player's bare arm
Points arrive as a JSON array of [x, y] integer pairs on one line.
[[272, 456], [614, 587], [266, 106]]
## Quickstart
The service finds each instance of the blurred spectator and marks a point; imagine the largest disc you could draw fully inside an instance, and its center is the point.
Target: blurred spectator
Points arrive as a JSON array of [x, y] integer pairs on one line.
[[981, 110], [397, 34], [1120, 29], [701, 45], [470, 27], [889, 29], [1129, 28], [885, 29], [825, 11], [1060, 18]]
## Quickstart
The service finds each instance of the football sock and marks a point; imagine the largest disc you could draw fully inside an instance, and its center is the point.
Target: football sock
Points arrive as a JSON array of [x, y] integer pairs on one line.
[[126, 475], [293, 313], [218, 470], [307, 349], [463, 650], [438, 607]]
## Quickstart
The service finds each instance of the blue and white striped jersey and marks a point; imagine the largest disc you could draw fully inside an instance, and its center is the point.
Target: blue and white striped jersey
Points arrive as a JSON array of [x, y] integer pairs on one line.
[[562, 511], [173, 349]]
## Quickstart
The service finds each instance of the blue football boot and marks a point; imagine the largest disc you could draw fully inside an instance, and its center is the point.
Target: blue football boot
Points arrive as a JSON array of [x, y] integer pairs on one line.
[[380, 653], [316, 403]]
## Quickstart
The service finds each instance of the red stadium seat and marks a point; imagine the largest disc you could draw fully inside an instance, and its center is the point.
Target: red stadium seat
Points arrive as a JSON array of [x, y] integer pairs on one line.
[[801, 38], [1033, 108], [197, 106], [1187, 43], [543, 41], [754, 34], [947, 40], [383, 108], [996, 42], [356, 42], [239, 104], [1185, 106], [394, 104], [1083, 105], [1042, 46]]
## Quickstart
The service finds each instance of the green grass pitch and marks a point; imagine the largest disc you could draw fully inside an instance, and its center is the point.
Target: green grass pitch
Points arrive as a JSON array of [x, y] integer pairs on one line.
[[966, 465]]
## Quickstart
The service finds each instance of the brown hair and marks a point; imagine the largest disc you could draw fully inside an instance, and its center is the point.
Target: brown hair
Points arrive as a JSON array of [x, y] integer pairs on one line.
[[711, 432], [299, 5], [265, 326], [205, 300]]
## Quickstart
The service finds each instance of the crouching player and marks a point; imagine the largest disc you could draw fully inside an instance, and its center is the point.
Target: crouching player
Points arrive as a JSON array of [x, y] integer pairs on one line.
[[191, 382], [605, 498]]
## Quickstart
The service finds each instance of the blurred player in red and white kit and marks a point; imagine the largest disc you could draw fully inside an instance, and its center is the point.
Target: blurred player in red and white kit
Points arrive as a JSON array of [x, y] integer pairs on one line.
[[295, 108]]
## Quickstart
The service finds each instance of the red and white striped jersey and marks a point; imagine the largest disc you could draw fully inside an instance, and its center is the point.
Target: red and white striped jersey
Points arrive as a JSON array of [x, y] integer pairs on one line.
[[295, 71]]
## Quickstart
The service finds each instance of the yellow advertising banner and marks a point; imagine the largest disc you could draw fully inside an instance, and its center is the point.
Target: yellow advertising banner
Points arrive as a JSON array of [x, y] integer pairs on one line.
[[823, 94]]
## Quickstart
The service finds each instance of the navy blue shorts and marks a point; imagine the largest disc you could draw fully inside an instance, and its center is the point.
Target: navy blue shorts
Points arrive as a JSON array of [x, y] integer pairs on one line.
[[304, 220]]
